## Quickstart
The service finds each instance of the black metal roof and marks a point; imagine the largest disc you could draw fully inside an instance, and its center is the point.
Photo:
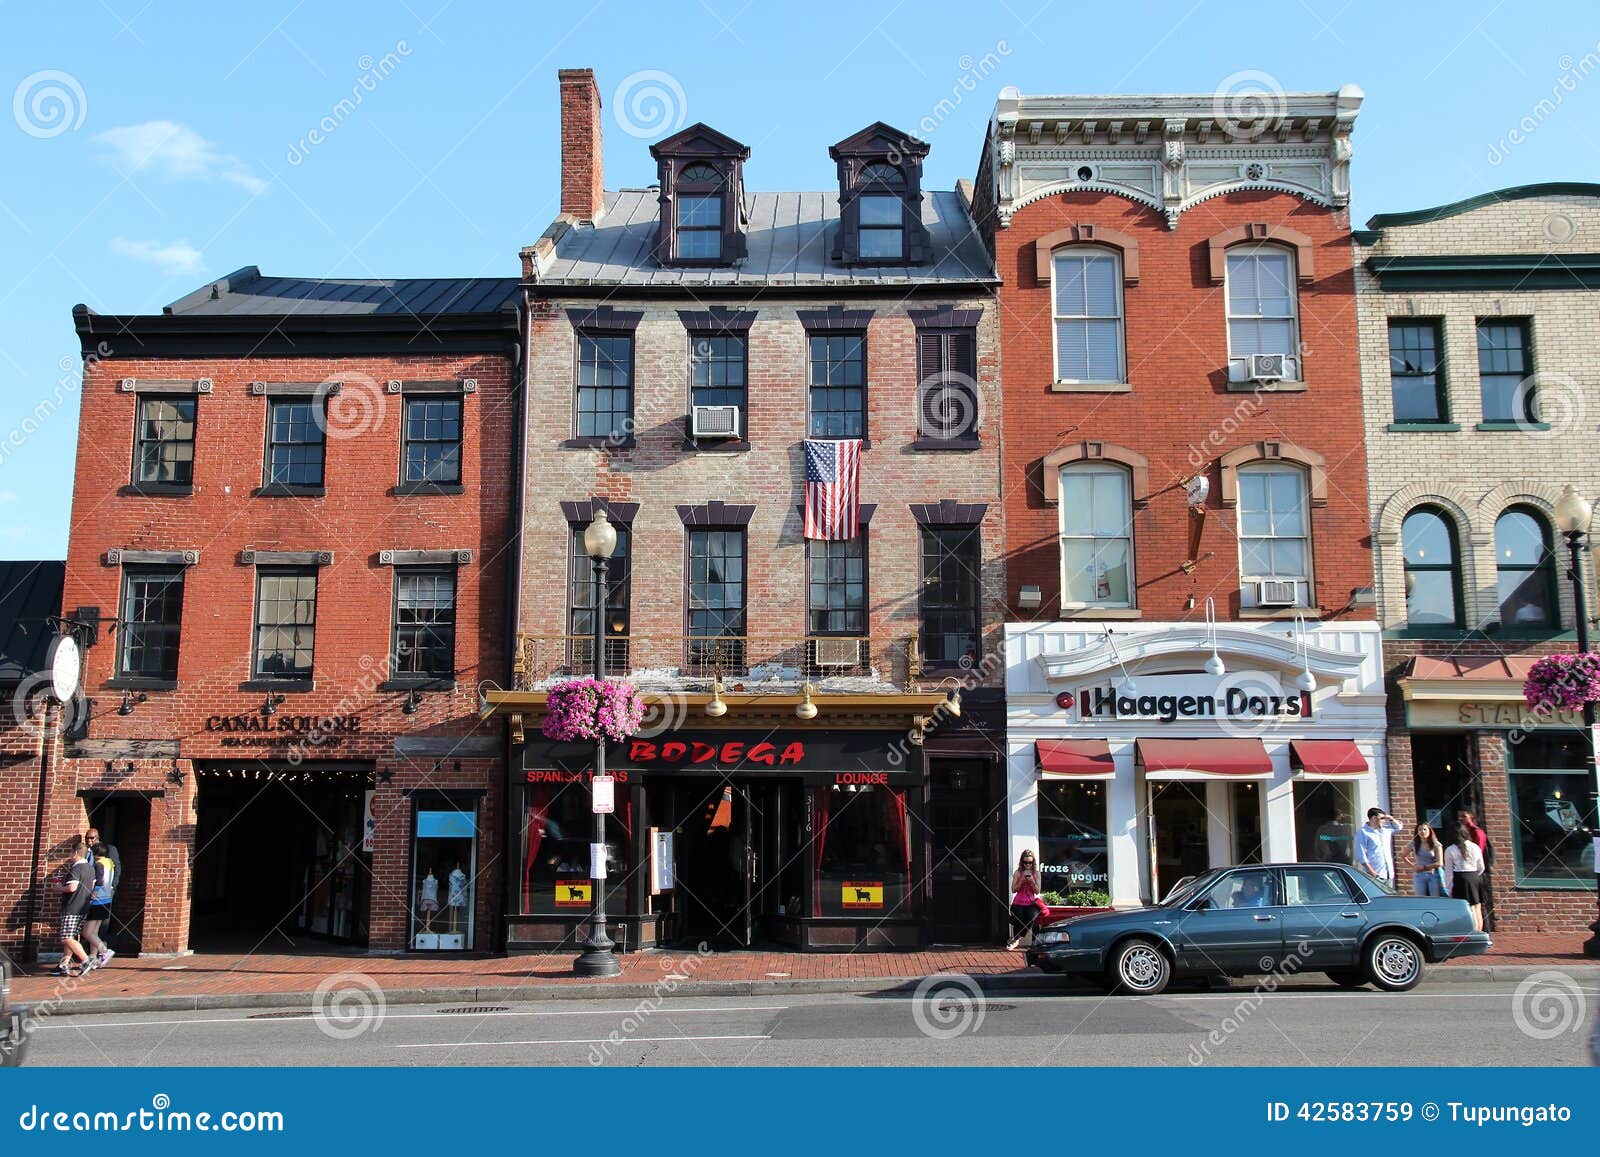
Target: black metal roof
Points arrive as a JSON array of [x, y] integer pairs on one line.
[[30, 593], [246, 291]]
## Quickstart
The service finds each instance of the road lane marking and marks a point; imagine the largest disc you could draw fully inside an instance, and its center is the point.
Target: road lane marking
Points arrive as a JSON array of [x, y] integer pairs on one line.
[[71, 1022], [621, 1040]]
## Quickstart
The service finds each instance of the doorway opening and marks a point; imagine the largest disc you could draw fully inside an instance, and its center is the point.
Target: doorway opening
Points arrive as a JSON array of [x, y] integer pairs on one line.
[[278, 863], [962, 810], [123, 821], [1179, 840]]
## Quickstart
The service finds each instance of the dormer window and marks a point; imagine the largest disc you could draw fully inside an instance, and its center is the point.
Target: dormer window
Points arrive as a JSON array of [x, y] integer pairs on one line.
[[699, 203], [702, 198], [880, 198]]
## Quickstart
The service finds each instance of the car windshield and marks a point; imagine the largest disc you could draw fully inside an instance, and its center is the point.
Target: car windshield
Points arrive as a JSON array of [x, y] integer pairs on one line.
[[1187, 889]]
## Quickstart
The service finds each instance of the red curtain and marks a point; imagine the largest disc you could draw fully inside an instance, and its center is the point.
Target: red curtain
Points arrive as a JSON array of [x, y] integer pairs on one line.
[[821, 795], [536, 806], [898, 798]]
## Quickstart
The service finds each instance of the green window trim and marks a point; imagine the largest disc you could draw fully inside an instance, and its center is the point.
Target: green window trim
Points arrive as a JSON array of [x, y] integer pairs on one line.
[[1423, 427]]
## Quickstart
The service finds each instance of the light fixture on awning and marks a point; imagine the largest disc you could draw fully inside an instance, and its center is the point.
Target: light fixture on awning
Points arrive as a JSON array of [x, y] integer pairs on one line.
[[1327, 759], [1230, 759], [1074, 759]]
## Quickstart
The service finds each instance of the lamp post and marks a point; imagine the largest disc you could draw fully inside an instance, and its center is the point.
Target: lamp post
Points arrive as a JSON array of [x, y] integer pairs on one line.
[[597, 959], [1573, 512]]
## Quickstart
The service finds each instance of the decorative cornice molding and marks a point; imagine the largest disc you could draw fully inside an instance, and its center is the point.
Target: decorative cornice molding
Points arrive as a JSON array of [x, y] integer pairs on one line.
[[1235, 640]]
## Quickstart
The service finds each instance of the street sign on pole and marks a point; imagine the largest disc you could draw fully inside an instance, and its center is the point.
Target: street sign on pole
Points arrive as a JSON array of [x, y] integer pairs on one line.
[[605, 795]]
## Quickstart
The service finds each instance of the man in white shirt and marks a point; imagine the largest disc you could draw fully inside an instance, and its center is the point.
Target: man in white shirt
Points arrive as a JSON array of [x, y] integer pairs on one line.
[[1375, 845]]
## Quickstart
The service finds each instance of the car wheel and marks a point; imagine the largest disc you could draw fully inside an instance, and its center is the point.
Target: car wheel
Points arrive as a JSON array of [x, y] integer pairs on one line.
[[1347, 978], [1393, 962], [1140, 968]]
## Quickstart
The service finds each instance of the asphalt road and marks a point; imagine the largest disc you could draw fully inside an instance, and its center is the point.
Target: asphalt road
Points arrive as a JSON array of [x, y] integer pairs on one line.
[[1458, 1023]]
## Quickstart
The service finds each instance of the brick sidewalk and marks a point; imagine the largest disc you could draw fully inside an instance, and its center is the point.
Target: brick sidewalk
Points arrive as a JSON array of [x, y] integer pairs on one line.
[[263, 975]]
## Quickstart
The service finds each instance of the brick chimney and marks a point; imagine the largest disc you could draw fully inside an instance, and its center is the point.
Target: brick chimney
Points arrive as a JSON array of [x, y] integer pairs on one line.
[[582, 170]]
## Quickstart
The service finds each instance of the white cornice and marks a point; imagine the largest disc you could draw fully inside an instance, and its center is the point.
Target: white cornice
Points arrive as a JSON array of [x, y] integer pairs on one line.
[[1193, 642]]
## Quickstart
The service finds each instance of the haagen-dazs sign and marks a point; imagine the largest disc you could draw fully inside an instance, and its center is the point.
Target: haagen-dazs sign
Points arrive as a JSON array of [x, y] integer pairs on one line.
[[1180, 698]]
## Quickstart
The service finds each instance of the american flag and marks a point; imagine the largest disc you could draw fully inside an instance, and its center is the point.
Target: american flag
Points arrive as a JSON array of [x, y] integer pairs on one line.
[[833, 488]]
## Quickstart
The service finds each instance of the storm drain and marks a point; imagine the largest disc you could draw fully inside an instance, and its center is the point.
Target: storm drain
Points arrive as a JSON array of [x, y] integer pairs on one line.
[[473, 1010]]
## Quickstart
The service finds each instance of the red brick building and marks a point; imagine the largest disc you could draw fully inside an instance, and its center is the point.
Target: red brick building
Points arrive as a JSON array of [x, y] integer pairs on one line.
[[1182, 401], [287, 568], [687, 344]]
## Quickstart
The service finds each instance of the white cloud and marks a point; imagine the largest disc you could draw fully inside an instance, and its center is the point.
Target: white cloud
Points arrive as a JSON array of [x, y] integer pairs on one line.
[[177, 152], [7, 497], [174, 256]]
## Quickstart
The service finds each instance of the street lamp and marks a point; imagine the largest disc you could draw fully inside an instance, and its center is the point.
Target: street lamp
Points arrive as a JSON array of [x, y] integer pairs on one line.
[[597, 959], [1573, 512]]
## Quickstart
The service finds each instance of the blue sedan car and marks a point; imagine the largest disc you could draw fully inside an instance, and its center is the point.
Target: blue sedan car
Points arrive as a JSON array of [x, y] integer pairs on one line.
[[1286, 919]]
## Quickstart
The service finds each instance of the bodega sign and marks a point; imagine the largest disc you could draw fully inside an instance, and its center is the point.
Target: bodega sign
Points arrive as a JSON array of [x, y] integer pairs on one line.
[[1246, 699]]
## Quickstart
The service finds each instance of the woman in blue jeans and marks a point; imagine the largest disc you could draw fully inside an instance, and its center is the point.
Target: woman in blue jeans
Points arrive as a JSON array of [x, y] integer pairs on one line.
[[1427, 862]]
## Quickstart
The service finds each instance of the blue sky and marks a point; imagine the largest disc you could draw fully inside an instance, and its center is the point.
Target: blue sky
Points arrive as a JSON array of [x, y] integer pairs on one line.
[[152, 147]]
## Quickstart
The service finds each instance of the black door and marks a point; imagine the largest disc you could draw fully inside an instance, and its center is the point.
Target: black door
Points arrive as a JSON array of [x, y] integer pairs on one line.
[[124, 823], [963, 814]]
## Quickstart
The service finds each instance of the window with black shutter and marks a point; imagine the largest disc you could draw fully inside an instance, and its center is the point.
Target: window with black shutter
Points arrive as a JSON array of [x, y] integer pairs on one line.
[[947, 389]]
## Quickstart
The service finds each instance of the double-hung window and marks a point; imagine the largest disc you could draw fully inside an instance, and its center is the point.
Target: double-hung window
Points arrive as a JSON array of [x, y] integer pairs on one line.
[[425, 621], [699, 200], [163, 452], [1432, 574], [431, 451], [948, 599], [1088, 316], [1416, 375], [1263, 308], [150, 623], [1274, 537], [286, 621], [836, 586], [717, 599], [296, 441], [1525, 569], [838, 392], [1504, 369], [1096, 537], [583, 594], [717, 373], [605, 385]]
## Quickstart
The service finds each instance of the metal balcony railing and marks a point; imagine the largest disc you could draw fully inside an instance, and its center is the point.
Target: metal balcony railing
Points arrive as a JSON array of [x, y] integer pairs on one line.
[[692, 662]]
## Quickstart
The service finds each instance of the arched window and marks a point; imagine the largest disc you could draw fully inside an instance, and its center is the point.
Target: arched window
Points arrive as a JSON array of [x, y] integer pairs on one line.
[[1096, 536], [700, 208], [884, 174], [1274, 536], [1525, 569], [1263, 308], [882, 210], [1433, 580], [1088, 315]]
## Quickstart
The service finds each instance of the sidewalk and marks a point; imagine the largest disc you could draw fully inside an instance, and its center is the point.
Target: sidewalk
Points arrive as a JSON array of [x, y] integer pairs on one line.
[[275, 981]]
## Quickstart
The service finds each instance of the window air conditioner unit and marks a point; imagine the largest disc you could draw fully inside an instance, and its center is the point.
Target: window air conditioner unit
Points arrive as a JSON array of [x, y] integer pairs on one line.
[[837, 652], [1276, 593], [1266, 367], [715, 422]]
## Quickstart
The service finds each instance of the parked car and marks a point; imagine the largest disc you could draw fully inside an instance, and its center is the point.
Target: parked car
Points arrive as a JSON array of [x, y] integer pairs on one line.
[[1264, 918], [13, 1022]]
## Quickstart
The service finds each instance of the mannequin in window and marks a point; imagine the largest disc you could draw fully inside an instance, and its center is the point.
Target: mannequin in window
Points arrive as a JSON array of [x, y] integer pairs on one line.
[[458, 894], [429, 900]]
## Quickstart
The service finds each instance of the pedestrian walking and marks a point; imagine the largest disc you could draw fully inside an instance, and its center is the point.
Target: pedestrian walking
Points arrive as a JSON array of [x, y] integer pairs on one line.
[[77, 890], [98, 915], [1024, 898], [1463, 872], [1375, 845], [1427, 861]]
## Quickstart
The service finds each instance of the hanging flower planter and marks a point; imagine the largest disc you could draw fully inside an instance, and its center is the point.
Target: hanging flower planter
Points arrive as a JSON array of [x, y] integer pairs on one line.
[[580, 709], [1563, 682]]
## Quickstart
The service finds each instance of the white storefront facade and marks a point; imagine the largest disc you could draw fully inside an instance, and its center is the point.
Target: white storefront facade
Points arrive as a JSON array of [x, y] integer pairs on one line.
[[1140, 753]]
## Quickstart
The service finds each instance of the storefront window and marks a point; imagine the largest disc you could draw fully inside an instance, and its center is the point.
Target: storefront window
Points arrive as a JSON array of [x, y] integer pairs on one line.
[[1552, 803], [444, 868], [1323, 830], [863, 842], [557, 827], [1072, 836]]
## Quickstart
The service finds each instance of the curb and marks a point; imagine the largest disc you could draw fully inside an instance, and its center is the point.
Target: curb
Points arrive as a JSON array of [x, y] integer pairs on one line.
[[1036, 983]]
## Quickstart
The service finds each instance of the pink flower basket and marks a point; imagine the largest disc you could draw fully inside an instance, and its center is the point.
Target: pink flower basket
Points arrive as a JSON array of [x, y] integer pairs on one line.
[[1563, 682], [579, 709]]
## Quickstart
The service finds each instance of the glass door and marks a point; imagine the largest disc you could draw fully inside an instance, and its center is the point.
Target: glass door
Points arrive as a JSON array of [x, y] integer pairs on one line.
[[1179, 843]]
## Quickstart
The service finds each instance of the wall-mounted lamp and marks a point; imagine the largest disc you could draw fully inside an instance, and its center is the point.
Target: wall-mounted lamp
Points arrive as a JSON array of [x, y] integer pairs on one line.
[[717, 708], [269, 706], [952, 698], [128, 701], [806, 709], [412, 703]]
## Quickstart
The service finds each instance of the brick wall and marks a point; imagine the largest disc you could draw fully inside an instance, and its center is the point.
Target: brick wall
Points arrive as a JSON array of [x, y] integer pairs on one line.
[[1179, 413], [357, 518]]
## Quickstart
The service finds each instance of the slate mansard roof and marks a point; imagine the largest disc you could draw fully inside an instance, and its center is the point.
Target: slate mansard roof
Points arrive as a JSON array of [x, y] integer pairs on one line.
[[790, 238], [248, 292], [30, 593]]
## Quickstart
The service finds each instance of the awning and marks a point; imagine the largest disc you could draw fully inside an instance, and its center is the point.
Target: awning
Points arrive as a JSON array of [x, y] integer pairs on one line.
[[1075, 759], [1165, 759], [1327, 759]]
